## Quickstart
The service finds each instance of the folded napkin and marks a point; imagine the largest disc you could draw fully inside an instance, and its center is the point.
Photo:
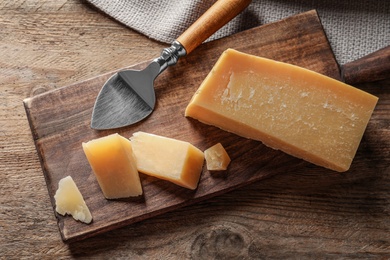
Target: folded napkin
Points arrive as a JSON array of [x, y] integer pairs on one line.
[[354, 28]]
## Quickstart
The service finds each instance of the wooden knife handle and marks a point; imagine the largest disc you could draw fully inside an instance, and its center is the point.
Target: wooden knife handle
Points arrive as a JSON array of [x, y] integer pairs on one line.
[[373, 67], [212, 20]]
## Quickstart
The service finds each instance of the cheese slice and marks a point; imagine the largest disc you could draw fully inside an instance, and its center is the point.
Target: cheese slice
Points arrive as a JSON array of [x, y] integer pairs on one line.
[[298, 111], [70, 201], [114, 165], [169, 159], [217, 159]]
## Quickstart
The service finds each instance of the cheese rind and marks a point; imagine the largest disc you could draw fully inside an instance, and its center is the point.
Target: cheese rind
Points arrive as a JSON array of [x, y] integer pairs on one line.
[[298, 111], [217, 159], [70, 201], [114, 165], [169, 159]]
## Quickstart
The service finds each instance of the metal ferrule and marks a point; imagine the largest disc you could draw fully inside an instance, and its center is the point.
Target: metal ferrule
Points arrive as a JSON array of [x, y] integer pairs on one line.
[[170, 56]]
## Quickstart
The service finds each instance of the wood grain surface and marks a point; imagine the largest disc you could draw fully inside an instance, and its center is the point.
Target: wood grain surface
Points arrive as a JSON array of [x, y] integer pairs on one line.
[[373, 67], [301, 214]]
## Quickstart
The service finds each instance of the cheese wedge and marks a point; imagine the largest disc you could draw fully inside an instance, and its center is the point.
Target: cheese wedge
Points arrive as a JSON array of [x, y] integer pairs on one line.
[[70, 201], [298, 111], [114, 165], [169, 159], [217, 159]]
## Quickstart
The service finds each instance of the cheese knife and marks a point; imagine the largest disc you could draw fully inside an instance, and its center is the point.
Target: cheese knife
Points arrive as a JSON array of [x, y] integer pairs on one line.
[[128, 96]]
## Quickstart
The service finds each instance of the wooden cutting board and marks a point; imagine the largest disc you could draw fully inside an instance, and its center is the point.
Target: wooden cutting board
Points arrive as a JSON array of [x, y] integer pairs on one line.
[[60, 122]]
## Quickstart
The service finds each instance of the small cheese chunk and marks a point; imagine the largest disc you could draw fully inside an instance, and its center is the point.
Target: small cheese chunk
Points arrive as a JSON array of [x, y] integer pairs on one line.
[[114, 165], [298, 111], [217, 158], [70, 201], [176, 161]]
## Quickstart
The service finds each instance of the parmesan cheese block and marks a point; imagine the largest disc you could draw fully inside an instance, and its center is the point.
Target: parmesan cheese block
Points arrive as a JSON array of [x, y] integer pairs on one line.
[[169, 159], [298, 111], [217, 158], [114, 165], [70, 201]]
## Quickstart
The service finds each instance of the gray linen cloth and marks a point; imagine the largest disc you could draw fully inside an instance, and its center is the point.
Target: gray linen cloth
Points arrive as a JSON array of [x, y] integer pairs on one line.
[[354, 28]]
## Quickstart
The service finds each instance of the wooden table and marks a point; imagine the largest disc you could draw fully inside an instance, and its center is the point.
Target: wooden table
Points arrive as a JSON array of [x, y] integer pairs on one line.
[[45, 45]]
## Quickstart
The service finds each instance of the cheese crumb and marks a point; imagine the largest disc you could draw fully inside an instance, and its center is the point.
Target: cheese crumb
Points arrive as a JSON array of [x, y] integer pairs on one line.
[[217, 158], [70, 201]]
